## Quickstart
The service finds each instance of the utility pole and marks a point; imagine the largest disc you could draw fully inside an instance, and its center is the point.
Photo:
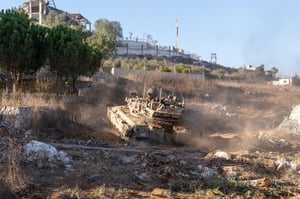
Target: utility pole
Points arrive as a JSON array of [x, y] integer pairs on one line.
[[177, 26], [40, 12]]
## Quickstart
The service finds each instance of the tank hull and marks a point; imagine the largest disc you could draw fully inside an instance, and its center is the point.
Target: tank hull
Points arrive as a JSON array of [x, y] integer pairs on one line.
[[155, 119]]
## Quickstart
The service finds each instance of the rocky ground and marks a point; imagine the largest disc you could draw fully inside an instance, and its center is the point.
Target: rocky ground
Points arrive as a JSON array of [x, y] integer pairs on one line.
[[236, 150]]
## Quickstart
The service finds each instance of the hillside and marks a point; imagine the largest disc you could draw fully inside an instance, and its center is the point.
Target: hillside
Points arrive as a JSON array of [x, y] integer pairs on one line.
[[235, 148]]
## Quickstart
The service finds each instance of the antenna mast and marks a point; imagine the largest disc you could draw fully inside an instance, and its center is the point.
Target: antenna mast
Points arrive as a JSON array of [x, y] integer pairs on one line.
[[51, 3], [213, 58], [177, 25]]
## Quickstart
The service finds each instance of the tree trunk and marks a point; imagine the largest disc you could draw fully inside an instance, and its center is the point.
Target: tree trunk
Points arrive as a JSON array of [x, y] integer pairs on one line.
[[59, 87], [15, 81], [74, 90]]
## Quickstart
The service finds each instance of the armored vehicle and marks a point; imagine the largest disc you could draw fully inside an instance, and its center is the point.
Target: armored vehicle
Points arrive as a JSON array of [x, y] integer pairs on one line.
[[153, 118]]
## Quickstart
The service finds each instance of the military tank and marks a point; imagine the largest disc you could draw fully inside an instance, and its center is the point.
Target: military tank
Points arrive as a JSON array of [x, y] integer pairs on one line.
[[151, 117]]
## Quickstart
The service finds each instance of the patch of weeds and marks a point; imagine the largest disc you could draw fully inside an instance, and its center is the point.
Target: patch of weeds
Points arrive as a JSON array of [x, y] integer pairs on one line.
[[224, 184], [180, 186]]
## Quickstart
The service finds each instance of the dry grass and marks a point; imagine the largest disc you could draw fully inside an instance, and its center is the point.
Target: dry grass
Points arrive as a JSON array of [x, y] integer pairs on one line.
[[252, 103], [6, 192], [28, 99], [11, 173]]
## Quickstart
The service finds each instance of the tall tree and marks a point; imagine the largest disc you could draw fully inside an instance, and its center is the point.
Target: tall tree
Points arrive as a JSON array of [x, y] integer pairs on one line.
[[105, 37], [62, 51], [69, 55], [102, 44], [274, 71], [53, 20], [111, 29], [21, 48], [86, 60]]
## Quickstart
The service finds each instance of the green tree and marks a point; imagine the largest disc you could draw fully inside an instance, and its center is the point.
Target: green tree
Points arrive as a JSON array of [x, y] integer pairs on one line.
[[220, 73], [274, 71], [63, 52], [86, 60], [165, 69], [179, 68], [103, 44], [105, 37], [21, 45], [296, 80], [70, 56], [111, 29], [53, 20]]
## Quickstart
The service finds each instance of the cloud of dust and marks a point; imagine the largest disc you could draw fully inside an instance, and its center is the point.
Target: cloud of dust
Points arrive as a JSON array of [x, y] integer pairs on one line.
[[230, 121]]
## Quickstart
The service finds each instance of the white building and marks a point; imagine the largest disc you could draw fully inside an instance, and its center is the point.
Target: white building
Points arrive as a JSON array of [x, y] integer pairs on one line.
[[283, 82], [39, 9], [250, 67]]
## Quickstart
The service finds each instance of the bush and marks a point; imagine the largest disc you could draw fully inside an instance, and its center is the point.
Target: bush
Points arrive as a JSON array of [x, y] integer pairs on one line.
[[165, 69]]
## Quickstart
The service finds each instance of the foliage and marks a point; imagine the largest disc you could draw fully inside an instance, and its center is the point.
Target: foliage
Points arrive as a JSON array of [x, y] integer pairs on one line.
[[179, 68], [250, 76], [21, 45], [68, 55], [103, 44], [296, 80], [165, 69], [138, 67], [118, 64], [273, 72], [105, 37], [112, 30], [62, 42], [220, 73], [44, 86], [53, 20]]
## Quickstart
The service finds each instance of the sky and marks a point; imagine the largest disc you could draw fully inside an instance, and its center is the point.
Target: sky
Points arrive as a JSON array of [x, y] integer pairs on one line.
[[240, 32]]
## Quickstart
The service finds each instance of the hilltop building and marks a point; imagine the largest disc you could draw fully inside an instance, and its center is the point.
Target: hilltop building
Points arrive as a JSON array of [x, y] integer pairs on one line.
[[39, 9]]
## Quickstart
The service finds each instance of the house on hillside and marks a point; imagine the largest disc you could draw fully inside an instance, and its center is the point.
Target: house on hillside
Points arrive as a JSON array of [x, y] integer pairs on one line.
[[282, 82], [250, 67], [39, 9]]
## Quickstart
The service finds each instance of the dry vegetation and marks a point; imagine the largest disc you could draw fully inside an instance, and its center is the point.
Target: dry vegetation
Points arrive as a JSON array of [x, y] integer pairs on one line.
[[225, 116]]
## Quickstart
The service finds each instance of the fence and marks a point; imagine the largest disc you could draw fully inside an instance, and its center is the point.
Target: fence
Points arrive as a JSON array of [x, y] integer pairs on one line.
[[137, 48]]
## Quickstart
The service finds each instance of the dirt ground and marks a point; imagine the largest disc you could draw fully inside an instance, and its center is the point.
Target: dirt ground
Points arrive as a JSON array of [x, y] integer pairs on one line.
[[234, 150]]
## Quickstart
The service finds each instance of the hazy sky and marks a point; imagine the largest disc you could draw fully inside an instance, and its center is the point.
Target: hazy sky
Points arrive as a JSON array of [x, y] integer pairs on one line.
[[241, 32]]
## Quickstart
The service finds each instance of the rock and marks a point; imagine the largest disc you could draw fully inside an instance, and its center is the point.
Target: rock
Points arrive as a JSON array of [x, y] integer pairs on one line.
[[229, 171], [182, 163], [208, 172], [262, 182], [292, 123], [282, 164], [28, 133], [127, 160], [143, 177], [40, 150], [45, 155], [63, 156], [222, 154], [161, 193], [200, 167]]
